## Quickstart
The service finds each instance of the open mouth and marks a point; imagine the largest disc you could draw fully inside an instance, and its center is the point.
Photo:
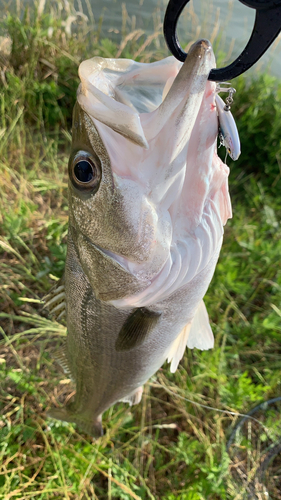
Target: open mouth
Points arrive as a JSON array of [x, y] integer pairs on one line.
[[127, 96]]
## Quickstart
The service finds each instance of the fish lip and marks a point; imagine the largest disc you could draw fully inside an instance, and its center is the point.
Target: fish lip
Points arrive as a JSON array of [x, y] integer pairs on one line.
[[204, 45], [74, 231], [109, 294], [116, 258], [201, 49], [108, 253]]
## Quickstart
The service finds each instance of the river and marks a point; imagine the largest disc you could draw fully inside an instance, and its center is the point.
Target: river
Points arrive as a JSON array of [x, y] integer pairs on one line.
[[227, 23], [232, 21]]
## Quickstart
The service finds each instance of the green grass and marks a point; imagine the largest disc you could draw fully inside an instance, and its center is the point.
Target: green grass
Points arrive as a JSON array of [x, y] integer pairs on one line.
[[170, 447]]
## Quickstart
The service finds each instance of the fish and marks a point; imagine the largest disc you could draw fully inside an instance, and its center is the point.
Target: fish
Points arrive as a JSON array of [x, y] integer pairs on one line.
[[148, 200]]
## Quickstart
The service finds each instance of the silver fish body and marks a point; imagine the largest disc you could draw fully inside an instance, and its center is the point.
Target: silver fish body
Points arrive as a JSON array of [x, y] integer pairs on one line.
[[148, 198]]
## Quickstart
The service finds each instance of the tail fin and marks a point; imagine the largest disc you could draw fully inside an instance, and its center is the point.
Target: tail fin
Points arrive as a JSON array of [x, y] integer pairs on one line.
[[92, 427]]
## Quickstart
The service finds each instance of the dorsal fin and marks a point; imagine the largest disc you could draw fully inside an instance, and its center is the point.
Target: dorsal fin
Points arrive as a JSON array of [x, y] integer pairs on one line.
[[61, 358], [136, 328], [54, 301]]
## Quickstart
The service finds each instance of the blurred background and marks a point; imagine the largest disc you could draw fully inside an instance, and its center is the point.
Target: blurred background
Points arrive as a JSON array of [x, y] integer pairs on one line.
[[229, 21]]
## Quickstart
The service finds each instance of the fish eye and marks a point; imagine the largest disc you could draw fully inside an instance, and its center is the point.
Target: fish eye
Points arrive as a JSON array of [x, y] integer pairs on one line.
[[85, 172]]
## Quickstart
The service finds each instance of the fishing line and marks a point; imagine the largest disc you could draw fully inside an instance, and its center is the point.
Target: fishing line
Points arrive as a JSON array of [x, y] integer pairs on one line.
[[207, 407], [261, 406]]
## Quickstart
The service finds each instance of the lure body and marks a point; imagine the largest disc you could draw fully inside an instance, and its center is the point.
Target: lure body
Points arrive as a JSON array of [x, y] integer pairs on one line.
[[228, 132]]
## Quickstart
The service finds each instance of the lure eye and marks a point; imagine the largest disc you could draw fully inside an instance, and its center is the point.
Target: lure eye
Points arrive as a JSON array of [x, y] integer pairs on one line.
[[85, 172]]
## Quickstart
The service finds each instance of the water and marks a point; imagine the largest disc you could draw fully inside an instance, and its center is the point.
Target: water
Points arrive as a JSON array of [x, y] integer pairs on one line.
[[227, 23], [234, 19]]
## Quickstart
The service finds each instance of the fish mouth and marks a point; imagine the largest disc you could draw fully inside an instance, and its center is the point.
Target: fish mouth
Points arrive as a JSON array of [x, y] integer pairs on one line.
[[158, 103], [116, 94]]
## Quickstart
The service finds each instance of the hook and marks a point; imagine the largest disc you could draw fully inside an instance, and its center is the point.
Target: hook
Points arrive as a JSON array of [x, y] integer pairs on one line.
[[266, 28]]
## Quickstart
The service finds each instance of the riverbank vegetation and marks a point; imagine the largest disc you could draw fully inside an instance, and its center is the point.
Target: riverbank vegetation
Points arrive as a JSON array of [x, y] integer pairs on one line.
[[180, 442]]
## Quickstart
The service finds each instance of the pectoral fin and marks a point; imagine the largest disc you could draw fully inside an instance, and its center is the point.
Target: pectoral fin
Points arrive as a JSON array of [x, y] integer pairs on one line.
[[197, 334], [136, 328], [55, 300]]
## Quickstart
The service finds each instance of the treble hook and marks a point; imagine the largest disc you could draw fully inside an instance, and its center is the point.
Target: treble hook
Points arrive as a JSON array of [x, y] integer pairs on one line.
[[266, 28]]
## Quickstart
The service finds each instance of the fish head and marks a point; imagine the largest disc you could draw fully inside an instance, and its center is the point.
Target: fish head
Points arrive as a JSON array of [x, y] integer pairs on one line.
[[143, 166]]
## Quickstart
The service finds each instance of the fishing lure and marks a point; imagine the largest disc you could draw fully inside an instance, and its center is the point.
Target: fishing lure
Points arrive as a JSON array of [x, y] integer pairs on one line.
[[228, 133]]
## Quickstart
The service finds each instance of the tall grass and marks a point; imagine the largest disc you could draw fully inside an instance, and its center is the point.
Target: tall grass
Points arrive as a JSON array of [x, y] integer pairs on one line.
[[174, 445]]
